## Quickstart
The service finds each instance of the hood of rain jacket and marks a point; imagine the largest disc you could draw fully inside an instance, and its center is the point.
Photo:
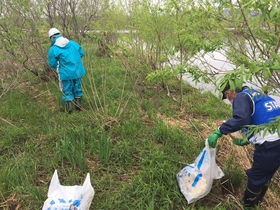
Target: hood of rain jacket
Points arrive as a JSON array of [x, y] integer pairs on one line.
[[66, 56]]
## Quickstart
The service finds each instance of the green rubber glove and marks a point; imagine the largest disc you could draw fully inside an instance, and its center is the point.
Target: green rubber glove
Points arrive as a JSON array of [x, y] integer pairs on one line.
[[241, 142], [213, 137]]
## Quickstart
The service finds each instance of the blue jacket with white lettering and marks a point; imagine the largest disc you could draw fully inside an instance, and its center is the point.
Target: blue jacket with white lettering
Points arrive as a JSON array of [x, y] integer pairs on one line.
[[251, 107], [265, 108]]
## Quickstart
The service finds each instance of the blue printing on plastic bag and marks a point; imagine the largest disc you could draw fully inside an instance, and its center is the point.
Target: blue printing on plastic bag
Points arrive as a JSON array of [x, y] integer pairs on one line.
[[77, 202], [196, 179], [61, 200], [200, 162]]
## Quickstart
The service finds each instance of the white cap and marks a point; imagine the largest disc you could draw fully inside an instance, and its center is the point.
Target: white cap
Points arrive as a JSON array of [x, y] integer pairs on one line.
[[53, 31]]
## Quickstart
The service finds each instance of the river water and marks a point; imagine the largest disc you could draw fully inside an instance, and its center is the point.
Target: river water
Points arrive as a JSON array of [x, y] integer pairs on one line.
[[215, 62]]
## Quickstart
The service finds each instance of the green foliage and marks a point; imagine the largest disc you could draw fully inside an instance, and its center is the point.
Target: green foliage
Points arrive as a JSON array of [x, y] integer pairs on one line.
[[233, 173], [152, 184], [235, 79], [104, 147], [197, 74], [72, 149], [162, 75], [173, 138], [257, 28], [123, 152], [271, 127], [132, 157], [131, 153]]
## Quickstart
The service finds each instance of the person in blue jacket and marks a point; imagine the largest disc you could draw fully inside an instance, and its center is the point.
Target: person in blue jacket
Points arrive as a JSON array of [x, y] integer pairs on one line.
[[66, 56], [251, 107]]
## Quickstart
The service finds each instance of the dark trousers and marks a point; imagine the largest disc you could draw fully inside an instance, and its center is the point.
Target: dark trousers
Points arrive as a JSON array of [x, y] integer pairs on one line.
[[265, 163]]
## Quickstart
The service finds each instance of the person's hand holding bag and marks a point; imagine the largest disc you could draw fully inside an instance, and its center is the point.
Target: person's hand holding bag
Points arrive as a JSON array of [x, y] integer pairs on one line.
[[213, 137], [240, 142]]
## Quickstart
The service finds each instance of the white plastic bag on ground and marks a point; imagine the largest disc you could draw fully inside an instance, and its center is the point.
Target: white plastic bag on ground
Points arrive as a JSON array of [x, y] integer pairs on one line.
[[69, 197], [195, 180]]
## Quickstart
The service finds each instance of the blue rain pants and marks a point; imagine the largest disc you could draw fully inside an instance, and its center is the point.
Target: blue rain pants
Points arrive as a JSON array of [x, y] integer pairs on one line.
[[71, 89]]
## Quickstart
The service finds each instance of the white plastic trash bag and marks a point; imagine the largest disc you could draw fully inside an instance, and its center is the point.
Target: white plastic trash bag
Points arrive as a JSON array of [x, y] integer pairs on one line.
[[69, 197], [195, 180]]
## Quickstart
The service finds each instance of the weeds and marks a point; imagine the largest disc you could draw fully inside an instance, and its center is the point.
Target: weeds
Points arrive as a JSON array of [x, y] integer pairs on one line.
[[72, 149], [123, 137], [104, 147]]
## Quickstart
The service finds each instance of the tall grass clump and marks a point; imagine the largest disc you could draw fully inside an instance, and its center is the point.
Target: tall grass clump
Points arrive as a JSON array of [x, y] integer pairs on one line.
[[104, 147], [71, 149], [234, 173], [174, 139], [155, 186]]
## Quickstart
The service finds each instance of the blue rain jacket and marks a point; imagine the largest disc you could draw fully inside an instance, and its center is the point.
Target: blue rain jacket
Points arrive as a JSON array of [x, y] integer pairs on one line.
[[66, 55]]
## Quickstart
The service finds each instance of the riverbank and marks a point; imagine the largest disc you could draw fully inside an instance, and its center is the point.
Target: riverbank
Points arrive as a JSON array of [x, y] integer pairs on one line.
[[131, 136]]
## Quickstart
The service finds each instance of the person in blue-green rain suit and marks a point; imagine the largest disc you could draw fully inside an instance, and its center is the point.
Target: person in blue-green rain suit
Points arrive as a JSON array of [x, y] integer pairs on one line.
[[66, 56], [252, 107]]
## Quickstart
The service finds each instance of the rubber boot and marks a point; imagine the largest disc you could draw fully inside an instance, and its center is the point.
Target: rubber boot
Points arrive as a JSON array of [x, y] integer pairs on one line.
[[251, 198], [264, 189], [69, 107], [78, 102]]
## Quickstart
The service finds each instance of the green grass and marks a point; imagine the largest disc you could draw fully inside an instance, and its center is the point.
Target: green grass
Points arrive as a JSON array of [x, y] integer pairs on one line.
[[131, 153]]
